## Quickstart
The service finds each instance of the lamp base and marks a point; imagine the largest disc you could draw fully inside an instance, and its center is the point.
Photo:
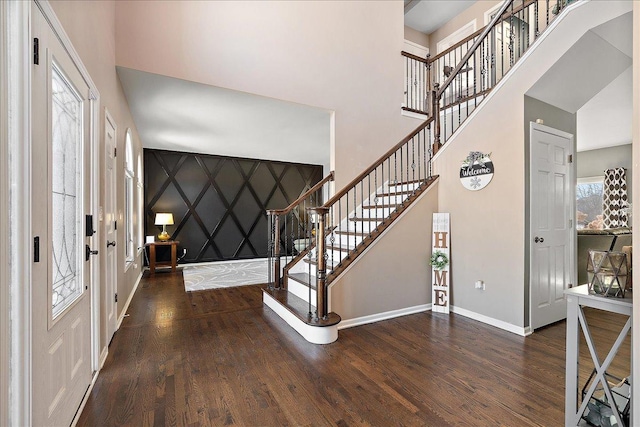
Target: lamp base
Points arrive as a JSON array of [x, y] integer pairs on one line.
[[164, 236]]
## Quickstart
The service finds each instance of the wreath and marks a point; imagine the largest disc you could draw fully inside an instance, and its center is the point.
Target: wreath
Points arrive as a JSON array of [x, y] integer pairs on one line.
[[439, 260]]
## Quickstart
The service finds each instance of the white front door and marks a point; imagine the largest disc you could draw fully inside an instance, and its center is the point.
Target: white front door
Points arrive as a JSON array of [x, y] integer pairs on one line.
[[552, 231], [111, 268], [61, 295]]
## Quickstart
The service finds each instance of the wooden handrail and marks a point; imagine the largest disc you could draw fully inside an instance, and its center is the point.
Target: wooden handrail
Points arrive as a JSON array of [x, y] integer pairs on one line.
[[415, 57], [474, 47], [306, 194], [432, 59], [455, 46], [377, 163]]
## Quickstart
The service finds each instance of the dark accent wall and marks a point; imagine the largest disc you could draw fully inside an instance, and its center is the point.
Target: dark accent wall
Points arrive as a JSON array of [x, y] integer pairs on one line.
[[219, 203]]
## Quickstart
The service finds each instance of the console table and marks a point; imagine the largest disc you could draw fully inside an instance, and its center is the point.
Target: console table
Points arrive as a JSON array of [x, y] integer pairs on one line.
[[152, 255], [577, 298]]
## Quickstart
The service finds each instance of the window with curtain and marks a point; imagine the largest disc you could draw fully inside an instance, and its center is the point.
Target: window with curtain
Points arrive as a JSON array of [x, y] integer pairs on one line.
[[128, 199]]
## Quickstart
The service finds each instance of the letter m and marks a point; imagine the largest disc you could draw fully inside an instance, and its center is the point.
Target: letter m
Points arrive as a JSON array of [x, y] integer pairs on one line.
[[441, 277]]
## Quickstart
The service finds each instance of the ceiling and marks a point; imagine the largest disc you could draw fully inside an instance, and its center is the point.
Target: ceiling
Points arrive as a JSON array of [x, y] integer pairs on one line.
[[593, 79], [179, 115], [427, 16]]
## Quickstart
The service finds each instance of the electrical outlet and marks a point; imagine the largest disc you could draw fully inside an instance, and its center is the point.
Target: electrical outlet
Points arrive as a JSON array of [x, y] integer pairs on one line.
[[480, 284]]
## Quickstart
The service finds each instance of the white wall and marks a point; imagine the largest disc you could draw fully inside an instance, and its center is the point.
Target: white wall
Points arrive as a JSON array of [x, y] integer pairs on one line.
[[337, 55], [489, 226]]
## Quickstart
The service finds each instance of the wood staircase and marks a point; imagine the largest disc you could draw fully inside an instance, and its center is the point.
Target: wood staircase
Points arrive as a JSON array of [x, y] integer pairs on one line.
[[338, 231]]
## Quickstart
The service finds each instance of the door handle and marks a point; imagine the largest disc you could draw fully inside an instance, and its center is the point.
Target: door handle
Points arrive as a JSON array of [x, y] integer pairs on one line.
[[88, 252], [538, 239], [111, 243]]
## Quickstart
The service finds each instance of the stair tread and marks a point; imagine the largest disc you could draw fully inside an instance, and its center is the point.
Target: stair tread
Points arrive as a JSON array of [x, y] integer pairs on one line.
[[381, 206], [413, 181], [396, 193], [313, 261], [351, 233], [347, 248], [304, 279], [300, 308]]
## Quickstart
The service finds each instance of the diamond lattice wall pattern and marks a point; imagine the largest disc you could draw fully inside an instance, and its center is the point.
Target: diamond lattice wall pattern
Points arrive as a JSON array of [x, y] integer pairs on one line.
[[219, 203]]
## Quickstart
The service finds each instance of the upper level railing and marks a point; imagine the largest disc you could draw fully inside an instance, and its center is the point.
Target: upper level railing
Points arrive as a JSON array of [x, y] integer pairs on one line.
[[290, 228], [460, 77]]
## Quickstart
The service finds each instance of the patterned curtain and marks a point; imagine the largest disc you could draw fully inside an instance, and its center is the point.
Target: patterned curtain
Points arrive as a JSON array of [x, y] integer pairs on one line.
[[614, 198]]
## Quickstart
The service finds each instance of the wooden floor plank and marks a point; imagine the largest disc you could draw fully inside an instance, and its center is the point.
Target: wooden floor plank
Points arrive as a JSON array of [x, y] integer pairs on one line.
[[220, 358]]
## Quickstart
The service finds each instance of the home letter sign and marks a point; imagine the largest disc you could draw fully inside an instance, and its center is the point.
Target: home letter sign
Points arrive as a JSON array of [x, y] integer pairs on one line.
[[440, 277]]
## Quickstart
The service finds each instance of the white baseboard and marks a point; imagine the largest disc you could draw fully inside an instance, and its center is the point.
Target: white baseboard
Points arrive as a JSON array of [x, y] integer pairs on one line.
[[519, 330], [372, 318], [126, 305], [313, 334], [103, 357]]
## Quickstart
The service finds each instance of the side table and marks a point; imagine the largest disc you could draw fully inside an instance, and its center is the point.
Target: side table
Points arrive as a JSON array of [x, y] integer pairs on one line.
[[577, 298], [152, 255]]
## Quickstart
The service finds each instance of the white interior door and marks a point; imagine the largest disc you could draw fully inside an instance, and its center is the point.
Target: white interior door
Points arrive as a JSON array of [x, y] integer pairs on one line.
[[111, 268], [552, 232], [61, 297]]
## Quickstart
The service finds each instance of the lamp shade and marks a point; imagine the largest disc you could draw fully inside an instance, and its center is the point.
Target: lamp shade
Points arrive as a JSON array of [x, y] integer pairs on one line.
[[164, 219]]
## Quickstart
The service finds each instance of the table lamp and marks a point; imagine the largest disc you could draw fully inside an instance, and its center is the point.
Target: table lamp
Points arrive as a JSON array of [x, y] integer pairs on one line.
[[164, 219]]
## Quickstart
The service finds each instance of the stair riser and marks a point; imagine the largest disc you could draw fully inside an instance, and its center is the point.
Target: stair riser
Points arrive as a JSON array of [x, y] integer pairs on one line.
[[301, 291], [378, 214], [359, 226], [404, 187], [346, 241], [384, 201]]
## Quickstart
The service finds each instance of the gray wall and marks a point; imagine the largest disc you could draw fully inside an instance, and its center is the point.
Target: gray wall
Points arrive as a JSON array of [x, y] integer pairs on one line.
[[594, 162], [558, 119]]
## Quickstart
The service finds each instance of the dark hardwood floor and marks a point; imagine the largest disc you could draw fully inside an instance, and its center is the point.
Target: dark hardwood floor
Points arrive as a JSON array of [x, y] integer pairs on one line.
[[218, 358]]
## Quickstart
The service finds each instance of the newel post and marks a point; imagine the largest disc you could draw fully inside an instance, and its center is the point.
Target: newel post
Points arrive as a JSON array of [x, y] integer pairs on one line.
[[435, 109], [275, 219], [321, 257]]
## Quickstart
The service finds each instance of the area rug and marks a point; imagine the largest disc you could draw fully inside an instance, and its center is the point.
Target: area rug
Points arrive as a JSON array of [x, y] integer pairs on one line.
[[225, 274]]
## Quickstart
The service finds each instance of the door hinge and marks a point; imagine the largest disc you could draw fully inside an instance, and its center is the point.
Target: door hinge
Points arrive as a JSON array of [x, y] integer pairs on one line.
[[115, 152], [116, 298], [115, 225], [570, 159], [36, 51]]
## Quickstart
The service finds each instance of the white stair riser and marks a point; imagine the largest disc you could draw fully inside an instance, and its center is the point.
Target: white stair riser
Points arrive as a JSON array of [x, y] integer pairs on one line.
[[378, 214], [301, 291], [405, 187], [346, 240], [359, 226]]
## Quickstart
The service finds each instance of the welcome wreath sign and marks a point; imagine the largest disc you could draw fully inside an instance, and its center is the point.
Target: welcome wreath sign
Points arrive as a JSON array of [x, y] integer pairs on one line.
[[476, 171]]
